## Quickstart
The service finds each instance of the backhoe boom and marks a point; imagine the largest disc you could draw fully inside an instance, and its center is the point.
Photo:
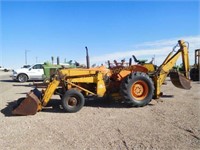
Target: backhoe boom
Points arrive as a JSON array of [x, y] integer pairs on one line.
[[168, 64]]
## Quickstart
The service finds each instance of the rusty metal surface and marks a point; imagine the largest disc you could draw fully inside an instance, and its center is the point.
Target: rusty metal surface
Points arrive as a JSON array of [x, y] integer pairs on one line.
[[180, 81], [40, 85], [27, 106]]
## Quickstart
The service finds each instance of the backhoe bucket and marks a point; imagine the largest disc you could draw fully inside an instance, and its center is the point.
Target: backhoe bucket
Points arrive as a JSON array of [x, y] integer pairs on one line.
[[29, 105], [180, 81]]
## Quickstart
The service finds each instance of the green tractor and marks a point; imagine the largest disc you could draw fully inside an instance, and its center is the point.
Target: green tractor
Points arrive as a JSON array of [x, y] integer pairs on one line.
[[50, 69]]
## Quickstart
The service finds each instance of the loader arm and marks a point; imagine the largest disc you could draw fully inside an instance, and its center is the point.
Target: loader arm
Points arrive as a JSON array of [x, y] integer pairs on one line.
[[168, 64], [52, 86]]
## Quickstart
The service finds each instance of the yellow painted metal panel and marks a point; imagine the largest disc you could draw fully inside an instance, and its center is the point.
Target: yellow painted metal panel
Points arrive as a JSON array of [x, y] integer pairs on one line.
[[49, 91]]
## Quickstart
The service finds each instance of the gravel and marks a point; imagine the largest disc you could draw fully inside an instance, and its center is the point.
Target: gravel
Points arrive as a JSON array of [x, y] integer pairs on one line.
[[171, 122]]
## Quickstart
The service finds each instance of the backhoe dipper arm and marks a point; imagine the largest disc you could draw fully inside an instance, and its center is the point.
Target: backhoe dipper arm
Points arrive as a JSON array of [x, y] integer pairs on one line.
[[185, 58], [168, 64], [170, 60]]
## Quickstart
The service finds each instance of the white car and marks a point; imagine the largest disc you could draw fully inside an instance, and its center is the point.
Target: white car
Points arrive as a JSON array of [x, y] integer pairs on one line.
[[35, 72], [4, 69]]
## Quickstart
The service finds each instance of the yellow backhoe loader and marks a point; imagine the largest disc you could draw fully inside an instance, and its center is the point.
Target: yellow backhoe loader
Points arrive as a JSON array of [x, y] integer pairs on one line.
[[133, 84]]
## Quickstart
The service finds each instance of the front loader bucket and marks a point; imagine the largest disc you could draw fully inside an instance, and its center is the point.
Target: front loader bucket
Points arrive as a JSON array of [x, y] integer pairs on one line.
[[180, 81], [27, 106]]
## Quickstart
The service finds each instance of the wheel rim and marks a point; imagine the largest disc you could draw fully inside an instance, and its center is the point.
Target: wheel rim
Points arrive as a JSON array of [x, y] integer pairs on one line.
[[72, 102], [139, 90], [22, 78]]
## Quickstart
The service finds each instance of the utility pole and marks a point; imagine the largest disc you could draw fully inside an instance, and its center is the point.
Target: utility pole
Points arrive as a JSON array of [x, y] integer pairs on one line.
[[36, 59], [26, 56]]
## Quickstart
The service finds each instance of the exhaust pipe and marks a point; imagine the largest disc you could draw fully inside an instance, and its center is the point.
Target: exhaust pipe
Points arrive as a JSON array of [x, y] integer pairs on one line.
[[87, 58], [58, 61]]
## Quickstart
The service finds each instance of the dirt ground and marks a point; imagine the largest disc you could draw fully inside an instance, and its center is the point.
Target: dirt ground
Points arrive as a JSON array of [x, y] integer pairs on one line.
[[172, 122]]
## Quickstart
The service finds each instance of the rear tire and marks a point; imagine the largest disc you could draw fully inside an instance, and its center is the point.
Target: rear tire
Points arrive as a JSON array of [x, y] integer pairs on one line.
[[22, 78], [73, 101], [137, 89]]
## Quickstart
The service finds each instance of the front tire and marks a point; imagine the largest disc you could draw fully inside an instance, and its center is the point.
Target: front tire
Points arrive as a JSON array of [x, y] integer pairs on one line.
[[22, 78], [73, 101], [137, 89]]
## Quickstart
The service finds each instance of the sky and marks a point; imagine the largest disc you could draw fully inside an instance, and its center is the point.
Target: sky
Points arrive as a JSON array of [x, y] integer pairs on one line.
[[110, 29]]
